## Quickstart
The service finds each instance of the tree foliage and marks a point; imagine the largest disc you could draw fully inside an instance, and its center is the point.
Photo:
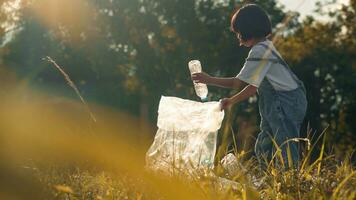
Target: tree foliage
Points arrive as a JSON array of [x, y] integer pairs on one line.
[[323, 54]]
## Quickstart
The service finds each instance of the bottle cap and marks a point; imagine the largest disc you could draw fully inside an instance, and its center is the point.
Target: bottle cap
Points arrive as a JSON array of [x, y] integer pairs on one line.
[[205, 99]]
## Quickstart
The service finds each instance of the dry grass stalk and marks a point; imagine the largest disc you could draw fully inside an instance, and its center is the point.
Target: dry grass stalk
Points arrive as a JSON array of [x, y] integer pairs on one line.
[[72, 85]]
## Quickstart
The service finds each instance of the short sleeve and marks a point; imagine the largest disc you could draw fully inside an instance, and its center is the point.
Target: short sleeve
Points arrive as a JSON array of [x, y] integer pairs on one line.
[[255, 67]]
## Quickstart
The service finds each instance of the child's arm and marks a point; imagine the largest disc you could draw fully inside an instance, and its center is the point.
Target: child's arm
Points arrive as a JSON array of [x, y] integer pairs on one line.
[[247, 92], [231, 82]]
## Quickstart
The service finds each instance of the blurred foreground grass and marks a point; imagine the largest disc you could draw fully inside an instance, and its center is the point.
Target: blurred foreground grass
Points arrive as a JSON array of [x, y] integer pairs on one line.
[[51, 149]]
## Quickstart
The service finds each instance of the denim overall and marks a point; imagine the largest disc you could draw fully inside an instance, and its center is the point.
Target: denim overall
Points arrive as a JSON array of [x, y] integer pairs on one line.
[[282, 113]]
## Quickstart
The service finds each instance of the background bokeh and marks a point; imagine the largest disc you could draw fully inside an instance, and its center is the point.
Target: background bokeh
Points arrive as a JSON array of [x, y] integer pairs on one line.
[[125, 54]]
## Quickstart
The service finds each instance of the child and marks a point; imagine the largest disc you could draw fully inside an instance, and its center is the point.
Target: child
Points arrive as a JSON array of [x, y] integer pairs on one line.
[[282, 100]]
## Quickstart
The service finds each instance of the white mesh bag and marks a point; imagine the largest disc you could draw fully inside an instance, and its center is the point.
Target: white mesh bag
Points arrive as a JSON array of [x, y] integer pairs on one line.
[[186, 135]]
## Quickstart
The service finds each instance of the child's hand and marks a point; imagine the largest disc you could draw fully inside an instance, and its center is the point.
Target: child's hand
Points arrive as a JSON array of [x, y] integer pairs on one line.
[[225, 103], [201, 77]]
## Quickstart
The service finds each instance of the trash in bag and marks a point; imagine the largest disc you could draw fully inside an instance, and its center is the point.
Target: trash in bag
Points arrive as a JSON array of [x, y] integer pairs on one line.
[[186, 135], [232, 166]]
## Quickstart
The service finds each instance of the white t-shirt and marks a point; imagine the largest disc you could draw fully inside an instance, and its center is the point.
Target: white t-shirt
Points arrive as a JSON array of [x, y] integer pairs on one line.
[[253, 72]]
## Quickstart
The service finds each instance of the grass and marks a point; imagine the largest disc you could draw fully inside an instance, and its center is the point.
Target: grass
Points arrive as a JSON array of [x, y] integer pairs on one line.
[[336, 180], [51, 150]]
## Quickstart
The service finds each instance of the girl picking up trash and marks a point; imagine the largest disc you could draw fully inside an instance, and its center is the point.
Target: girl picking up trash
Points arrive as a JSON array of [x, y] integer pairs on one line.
[[281, 95]]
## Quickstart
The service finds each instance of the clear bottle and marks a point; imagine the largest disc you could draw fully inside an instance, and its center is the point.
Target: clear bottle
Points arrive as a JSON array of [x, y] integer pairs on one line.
[[200, 88]]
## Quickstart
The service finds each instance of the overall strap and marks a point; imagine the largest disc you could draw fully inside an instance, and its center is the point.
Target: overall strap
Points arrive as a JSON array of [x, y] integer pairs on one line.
[[281, 61], [268, 59]]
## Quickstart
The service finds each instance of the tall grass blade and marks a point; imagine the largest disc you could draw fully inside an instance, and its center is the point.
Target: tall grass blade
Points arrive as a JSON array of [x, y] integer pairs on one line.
[[72, 85], [289, 156], [307, 157], [321, 154], [278, 150]]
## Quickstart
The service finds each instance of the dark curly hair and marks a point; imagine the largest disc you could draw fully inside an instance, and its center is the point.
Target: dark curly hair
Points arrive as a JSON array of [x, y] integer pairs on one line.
[[251, 21]]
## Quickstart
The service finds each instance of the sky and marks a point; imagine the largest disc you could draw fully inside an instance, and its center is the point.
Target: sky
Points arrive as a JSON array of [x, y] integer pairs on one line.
[[307, 6]]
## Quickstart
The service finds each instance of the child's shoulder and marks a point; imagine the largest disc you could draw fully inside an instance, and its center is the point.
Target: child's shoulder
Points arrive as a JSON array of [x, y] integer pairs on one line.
[[260, 49]]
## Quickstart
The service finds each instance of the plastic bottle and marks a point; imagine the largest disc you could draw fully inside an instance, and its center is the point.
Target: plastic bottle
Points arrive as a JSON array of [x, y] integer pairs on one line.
[[230, 164], [200, 88]]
